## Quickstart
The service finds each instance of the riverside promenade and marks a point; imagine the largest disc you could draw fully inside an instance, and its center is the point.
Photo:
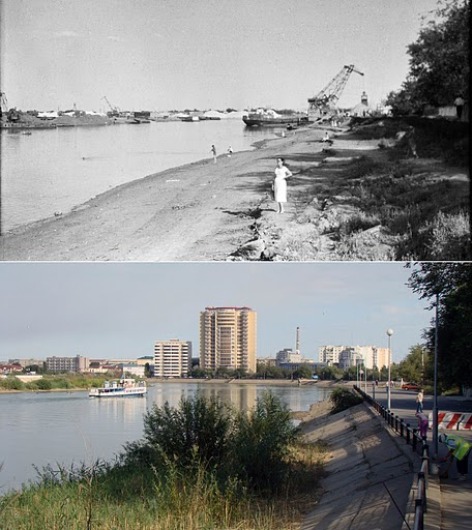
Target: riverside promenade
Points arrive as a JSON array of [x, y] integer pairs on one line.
[[371, 479]]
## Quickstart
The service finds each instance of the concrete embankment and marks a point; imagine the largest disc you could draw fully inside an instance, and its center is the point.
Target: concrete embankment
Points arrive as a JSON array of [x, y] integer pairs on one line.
[[370, 479]]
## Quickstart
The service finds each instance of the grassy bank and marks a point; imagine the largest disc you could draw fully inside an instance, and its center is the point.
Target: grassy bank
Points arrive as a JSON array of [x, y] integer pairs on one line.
[[198, 466], [368, 197], [53, 382]]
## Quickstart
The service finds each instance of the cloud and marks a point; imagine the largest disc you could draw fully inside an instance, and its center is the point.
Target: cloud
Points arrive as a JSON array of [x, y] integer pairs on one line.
[[66, 34]]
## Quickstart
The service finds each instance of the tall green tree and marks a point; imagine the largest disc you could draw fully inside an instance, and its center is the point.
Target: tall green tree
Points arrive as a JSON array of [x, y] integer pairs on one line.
[[449, 287], [439, 61], [413, 367]]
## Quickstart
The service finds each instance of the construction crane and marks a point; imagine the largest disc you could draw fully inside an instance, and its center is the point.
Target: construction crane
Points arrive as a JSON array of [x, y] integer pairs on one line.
[[324, 103], [4, 103], [11, 114], [115, 111]]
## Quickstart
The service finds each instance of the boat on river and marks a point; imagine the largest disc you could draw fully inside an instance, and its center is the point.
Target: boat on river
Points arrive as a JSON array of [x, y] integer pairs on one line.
[[263, 118], [119, 388]]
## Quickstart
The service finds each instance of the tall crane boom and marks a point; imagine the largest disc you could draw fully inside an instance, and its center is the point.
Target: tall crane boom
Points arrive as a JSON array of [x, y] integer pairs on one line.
[[326, 99], [114, 110]]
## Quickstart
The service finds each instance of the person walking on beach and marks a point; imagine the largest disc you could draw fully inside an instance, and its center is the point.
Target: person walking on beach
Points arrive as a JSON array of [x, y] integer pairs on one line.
[[279, 185], [419, 401], [213, 152], [230, 151], [459, 103]]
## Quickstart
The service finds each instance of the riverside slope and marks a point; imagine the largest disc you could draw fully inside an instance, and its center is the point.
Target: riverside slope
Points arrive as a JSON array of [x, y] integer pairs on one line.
[[216, 212]]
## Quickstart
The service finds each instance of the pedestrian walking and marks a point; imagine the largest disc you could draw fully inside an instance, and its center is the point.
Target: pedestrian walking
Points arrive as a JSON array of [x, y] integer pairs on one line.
[[459, 103], [419, 401], [213, 152], [279, 185], [422, 424], [459, 450]]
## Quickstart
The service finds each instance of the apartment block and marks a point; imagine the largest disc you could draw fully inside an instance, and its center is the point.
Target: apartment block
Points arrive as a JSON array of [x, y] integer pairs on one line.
[[172, 358], [228, 338], [346, 356], [77, 364]]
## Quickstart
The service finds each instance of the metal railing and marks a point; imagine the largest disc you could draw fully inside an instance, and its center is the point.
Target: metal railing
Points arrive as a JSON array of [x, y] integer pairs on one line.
[[418, 445]]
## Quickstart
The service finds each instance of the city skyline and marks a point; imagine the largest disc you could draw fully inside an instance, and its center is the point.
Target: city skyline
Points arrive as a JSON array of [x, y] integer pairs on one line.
[[118, 310], [201, 53]]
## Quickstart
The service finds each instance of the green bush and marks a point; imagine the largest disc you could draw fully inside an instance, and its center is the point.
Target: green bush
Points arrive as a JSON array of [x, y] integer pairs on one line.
[[260, 443], [44, 384], [11, 383], [342, 399], [196, 430]]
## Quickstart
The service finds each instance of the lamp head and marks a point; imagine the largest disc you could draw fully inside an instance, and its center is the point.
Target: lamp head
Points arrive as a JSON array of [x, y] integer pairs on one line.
[[389, 332]]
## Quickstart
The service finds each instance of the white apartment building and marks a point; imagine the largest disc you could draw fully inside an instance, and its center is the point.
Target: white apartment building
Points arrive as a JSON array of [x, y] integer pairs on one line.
[[346, 356], [172, 358]]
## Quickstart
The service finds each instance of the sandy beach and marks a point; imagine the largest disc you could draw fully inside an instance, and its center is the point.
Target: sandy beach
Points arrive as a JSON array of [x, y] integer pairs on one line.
[[208, 211], [195, 212]]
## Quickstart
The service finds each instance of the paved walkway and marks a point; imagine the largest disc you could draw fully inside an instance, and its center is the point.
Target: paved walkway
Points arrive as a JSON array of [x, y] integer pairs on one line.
[[451, 500], [370, 478]]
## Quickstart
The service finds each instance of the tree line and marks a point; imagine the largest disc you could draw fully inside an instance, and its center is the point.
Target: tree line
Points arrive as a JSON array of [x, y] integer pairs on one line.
[[439, 62]]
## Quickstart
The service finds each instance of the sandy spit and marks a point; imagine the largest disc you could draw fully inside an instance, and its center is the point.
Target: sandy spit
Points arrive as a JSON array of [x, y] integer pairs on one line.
[[197, 212]]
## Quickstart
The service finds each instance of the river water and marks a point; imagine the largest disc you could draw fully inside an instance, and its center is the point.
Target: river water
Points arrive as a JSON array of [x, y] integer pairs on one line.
[[69, 427], [53, 170]]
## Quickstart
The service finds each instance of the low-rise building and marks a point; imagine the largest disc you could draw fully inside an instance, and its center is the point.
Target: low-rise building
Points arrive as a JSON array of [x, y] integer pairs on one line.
[[77, 364]]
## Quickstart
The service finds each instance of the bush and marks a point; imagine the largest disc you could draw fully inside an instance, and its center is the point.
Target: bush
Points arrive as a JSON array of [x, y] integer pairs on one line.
[[196, 430], [261, 442], [11, 383], [343, 399]]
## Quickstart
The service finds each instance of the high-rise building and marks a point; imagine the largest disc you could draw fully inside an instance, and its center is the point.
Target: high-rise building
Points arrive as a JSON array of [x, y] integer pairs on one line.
[[172, 358], [228, 338]]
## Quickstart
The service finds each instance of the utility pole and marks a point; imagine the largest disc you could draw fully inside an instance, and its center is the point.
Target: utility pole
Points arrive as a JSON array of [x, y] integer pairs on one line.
[[435, 400]]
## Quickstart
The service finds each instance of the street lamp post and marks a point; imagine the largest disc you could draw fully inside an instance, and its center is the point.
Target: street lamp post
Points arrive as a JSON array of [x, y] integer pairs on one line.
[[389, 390], [435, 399]]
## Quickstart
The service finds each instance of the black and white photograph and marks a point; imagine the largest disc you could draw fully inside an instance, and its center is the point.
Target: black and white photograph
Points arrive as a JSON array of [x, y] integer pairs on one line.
[[235, 265]]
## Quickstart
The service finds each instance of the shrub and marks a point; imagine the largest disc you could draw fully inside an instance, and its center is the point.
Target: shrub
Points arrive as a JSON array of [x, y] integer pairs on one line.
[[196, 430], [11, 383], [261, 443], [343, 399]]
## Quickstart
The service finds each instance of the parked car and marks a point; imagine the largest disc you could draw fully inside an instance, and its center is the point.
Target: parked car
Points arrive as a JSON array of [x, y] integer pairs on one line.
[[410, 386]]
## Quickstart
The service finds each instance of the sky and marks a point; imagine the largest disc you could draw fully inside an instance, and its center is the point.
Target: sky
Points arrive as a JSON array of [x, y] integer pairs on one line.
[[119, 310], [177, 54]]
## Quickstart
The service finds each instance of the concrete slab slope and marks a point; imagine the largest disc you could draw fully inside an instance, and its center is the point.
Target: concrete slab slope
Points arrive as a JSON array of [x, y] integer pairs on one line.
[[371, 480]]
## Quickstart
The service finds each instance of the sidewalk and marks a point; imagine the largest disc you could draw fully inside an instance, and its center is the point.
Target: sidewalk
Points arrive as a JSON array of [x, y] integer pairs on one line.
[[370, 478]]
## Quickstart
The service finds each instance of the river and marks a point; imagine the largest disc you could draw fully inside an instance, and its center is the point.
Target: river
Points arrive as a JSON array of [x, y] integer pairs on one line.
[[66, 427], [53, 170]]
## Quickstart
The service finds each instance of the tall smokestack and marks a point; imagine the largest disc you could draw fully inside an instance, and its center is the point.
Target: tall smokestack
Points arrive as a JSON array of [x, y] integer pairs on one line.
[[297, 347]]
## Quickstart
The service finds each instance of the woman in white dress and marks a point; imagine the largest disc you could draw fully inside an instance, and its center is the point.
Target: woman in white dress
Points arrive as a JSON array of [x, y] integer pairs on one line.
[[279, 186]]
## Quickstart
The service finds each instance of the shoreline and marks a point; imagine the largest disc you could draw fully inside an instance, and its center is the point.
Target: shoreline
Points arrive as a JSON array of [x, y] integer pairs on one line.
[[147, 219], [30, 225], [153, 382]]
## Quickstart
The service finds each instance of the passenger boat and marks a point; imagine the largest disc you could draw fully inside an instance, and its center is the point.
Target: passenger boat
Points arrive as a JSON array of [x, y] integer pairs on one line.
[[119, 388]]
